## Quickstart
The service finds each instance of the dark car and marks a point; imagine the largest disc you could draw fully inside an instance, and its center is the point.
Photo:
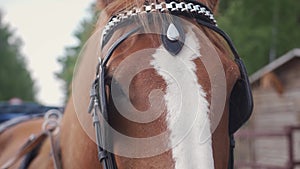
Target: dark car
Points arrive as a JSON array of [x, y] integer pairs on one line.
[[9, 111]]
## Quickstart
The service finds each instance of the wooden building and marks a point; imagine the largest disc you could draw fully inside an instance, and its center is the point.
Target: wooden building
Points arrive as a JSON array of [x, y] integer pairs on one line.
[[276, 94]]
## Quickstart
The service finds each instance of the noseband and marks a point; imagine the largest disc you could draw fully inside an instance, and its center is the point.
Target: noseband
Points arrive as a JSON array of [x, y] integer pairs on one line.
[[241, 98]]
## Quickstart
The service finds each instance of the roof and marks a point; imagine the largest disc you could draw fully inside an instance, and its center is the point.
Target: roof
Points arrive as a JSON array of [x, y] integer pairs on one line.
[[275, 64]]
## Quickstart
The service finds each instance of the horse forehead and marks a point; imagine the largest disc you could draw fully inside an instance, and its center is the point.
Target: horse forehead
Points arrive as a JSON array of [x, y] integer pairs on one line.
[[197, 46]]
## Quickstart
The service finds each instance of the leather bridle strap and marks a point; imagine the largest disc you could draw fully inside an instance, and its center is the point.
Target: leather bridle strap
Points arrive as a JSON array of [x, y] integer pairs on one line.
[[223, 34], [50, 129], [30, 145], [116, 44], [98, 104]]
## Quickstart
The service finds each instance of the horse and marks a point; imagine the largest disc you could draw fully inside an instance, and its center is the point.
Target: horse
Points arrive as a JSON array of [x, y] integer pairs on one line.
[[166, 93]]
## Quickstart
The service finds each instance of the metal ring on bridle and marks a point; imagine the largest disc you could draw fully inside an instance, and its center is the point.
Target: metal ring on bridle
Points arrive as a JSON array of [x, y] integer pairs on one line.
[[52, 121], [51, 125], [53, 114]]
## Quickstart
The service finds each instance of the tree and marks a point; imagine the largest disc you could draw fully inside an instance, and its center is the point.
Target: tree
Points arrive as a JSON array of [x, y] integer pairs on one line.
[[69, 59], [261, 31], [15, 79]]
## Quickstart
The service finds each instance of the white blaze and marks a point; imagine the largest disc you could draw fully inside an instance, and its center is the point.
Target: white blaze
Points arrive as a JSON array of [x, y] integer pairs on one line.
[[185, 98]]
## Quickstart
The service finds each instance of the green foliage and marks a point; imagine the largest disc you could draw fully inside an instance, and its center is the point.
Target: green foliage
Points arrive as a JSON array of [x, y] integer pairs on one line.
[[71, 53], [258, 27], [15, 80]]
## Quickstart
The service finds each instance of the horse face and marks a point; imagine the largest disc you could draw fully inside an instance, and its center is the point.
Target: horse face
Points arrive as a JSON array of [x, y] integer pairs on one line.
[[181, 101], [184, 97]]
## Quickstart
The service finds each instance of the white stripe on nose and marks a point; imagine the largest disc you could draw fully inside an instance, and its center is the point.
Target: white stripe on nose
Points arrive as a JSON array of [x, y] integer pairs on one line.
[[187, 116]]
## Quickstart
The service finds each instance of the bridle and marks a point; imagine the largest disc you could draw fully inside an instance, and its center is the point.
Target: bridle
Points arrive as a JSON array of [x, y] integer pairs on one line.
[[204, 17], [241, 102]]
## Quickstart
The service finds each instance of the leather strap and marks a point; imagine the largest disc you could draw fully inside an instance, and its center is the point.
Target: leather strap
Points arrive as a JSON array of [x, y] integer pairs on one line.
[[231, 152], [29, 157], [223, 34], [50, 127], [98, 104], [29, 145], [54, 151]]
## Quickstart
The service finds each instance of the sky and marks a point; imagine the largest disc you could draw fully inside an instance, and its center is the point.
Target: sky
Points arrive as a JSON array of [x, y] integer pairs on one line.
[[46, 27]]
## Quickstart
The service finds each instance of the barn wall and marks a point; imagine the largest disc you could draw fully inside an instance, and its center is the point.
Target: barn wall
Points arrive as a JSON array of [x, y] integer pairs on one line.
[[272, 112]]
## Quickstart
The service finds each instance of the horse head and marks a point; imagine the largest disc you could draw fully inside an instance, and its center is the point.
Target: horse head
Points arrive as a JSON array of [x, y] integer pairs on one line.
[[169, 88]]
